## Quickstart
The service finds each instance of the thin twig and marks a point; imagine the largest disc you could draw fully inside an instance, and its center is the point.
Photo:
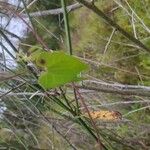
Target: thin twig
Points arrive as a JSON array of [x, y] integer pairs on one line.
[[109, 41], [54, 11], [133, 111], [12, 89], [101, 145], [133, 25], [118, 103]]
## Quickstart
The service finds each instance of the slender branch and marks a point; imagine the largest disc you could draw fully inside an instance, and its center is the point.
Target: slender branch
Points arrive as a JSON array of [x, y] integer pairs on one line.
[[8, 41], [7, 51], [4, 76], [12, 89], [53, 11], [32, 94], [91, 86], [10, 33], [133, 111], [64, 136], [118, 103], [101, 145], [97, 11], [116, 88], [29, 5], [109, 41]]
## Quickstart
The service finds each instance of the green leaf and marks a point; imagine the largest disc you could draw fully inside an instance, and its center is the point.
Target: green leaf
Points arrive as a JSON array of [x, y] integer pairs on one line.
[[60, 69], [51, 80]]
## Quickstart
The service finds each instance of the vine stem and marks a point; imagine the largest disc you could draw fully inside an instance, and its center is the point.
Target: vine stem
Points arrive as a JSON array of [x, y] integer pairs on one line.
[[101, 145], [67, 28], [69, 46]]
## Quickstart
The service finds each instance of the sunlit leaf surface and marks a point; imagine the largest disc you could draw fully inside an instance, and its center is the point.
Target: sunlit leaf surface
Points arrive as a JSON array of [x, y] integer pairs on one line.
[[60, 68]]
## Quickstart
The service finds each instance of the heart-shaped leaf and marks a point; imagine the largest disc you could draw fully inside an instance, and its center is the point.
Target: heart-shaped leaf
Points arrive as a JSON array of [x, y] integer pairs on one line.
[[60, 69]]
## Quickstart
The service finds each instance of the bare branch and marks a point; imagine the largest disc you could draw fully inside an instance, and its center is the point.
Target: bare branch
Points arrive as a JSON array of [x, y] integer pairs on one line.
[[54, 11], [100, 86], [116, 88]]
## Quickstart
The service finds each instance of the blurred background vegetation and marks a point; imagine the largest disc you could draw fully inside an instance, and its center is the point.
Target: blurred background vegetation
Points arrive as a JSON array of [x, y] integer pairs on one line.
[[35, 122]]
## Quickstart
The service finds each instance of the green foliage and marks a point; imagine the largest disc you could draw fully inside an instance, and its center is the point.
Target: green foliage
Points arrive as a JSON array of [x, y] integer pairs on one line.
[[91, 35], [59, 67], [121, 62]]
